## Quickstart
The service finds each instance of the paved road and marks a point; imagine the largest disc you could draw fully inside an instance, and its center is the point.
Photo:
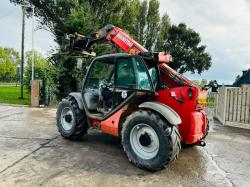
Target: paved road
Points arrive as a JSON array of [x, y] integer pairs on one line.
[[32, 153]]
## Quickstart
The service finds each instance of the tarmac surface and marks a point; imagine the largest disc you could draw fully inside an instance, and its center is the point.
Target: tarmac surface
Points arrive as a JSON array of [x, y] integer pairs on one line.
[[32, 153]]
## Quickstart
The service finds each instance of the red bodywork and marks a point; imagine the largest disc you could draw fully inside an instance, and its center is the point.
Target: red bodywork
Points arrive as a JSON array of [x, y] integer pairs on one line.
[[193, 126]]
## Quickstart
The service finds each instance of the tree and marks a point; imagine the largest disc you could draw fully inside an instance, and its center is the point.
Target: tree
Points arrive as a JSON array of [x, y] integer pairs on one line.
[[141, 21], [196, 82], [108, 11], [199, 83], [184, 45], [163, 33], [7, 67], [153, 19], [203, 82], [13, 55], [129, 18]]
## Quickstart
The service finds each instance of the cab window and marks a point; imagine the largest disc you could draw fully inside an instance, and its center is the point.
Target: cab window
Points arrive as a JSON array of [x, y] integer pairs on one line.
[[102, 70], [154, 77], [125, 73], [143, 81], [132, 74]]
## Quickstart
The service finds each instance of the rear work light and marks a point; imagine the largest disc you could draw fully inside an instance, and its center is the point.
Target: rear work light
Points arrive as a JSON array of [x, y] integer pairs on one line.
[[190, 93]]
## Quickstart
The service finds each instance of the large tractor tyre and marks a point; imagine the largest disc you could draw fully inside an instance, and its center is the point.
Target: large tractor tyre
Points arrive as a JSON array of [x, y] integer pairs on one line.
[[149, 141], [71, 120]]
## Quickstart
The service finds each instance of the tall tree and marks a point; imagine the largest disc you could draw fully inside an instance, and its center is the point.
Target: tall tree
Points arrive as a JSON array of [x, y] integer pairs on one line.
[[163, 32], [129, 17], [153, 19], [141, 20], [188, 54], [108, 11]]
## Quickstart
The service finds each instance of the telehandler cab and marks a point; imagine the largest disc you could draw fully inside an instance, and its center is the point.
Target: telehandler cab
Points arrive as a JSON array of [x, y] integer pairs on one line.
[[135, 96]]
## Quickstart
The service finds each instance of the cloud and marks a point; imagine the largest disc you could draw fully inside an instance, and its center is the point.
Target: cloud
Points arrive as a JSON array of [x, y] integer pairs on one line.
[[224, 26]]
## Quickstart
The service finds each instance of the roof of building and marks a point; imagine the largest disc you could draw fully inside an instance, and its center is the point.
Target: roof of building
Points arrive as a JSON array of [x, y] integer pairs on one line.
[[244, 79]]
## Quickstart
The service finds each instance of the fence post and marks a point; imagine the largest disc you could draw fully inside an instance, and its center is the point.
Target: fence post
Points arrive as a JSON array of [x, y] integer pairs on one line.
[[225, 105]]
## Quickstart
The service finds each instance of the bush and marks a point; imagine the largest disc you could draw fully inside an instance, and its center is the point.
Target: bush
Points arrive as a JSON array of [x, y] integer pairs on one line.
[[44, 71]]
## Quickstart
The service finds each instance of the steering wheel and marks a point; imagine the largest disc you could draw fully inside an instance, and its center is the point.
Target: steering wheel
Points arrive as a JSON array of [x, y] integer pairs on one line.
[[105, 84]]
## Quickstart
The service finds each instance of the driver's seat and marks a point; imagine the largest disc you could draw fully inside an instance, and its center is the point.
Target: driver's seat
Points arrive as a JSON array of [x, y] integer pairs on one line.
[[105, 102], [92, 99]]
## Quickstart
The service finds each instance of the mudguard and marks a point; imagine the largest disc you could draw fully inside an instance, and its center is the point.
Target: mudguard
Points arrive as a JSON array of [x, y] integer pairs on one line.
[[78, 98], [168, 113]]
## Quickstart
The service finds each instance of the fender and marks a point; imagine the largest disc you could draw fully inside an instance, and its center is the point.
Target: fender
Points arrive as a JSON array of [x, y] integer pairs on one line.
[[78, 98], [168, 113]]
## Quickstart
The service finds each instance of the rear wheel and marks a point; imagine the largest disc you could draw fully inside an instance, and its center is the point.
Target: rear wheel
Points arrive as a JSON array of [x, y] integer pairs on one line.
[[149, 141], [71, 120]]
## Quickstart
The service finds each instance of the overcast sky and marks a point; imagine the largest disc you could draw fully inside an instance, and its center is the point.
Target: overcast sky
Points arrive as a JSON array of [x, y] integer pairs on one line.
[[224, 26]]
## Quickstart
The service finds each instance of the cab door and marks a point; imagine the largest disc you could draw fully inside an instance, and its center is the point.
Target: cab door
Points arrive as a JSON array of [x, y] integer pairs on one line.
[[131, 77], [101, 72]]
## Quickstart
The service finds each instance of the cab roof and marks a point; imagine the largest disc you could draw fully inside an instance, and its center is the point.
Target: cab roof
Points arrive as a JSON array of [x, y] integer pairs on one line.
[[115, 55]]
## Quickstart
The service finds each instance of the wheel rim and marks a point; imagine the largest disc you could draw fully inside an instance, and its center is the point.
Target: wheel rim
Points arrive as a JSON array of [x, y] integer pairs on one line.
[[67, 118], [144, 141]]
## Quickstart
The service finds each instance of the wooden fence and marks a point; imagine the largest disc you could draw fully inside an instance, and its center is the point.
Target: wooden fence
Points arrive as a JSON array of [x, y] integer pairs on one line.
[[232, 106]]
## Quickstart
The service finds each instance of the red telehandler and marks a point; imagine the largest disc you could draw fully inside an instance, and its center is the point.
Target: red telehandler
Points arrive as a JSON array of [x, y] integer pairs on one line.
[[136, 96]]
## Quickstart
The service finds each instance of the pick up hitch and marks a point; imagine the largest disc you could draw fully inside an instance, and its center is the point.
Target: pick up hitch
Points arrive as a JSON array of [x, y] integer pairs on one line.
[[201, 143]]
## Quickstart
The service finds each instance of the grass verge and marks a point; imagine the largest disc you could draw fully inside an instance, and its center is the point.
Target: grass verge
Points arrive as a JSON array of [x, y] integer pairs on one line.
[[11, 94]]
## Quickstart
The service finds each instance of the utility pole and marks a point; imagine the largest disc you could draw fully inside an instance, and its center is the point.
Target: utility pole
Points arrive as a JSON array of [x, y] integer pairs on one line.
[[33, 55], [22, 53]]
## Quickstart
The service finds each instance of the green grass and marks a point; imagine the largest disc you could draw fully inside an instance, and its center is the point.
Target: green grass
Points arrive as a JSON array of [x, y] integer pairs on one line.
[[11, 94], [210, 102]]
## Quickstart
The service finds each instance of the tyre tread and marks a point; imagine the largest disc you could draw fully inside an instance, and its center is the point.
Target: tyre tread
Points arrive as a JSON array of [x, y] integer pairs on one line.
[[81, 126], [174, 139]]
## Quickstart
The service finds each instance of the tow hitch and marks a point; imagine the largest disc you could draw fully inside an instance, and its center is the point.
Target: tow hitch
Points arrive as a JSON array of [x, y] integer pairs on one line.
[[201, 143]]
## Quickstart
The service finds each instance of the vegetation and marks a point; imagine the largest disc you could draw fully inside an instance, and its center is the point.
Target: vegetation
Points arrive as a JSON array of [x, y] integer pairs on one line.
[[184, 45], [10, 95], [44, 71], [7, 67], [13, 55], [141, 19], [210, 102], [199, 83]]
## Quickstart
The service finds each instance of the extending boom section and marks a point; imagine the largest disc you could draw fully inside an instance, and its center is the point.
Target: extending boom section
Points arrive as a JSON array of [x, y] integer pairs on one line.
[[118, 37]]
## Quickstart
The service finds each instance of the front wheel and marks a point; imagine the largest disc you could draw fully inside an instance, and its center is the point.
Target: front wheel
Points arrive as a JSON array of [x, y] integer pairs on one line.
[[149, 141], [71, 120]]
